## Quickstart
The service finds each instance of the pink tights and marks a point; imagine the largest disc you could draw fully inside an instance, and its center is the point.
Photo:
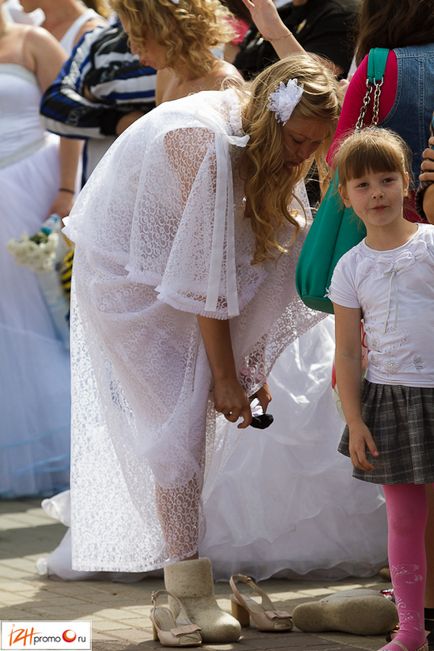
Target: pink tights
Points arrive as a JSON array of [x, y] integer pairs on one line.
[[406, 516]]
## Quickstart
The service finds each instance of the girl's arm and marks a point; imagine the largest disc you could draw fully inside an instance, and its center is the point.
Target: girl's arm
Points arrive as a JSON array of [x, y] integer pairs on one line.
[[267, 20], [229, 397], [348, 377]]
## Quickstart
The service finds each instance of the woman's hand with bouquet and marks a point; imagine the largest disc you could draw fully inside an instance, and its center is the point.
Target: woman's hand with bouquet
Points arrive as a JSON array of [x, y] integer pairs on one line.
[[63, 202]]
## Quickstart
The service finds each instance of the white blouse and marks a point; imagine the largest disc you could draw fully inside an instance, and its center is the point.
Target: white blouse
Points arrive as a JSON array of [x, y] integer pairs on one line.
[[395, 291]]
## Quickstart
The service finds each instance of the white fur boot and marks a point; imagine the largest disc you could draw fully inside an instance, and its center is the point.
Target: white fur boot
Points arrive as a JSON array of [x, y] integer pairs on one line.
[[192, 582]]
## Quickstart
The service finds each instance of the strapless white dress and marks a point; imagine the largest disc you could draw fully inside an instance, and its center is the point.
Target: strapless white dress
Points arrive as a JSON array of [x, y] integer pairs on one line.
[[34, 366], [285, 502]]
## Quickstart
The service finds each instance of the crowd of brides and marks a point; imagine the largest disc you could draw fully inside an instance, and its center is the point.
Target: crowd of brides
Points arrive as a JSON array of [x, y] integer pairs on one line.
[[186, 145]]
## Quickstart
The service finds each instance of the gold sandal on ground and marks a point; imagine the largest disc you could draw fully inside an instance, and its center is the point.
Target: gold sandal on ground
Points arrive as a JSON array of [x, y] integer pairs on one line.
[[264, 615], [173, 628]]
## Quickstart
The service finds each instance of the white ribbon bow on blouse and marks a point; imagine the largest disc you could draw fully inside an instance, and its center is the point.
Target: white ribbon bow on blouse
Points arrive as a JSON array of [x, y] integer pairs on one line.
[[391, 269], [223, 217]]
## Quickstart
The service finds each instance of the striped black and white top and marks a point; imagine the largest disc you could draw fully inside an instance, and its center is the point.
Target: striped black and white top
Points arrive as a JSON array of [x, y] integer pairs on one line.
[[100, 82]]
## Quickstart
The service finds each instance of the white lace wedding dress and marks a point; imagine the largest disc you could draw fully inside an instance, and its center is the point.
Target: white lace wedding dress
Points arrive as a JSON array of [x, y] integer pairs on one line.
[[168, 241], [284, 502]]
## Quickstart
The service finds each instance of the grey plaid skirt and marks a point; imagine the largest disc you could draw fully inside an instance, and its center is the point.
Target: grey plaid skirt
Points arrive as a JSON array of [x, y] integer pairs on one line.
[[401, 420]]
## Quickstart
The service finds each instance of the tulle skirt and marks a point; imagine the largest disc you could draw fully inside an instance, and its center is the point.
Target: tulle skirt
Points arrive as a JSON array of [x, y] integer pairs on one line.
[[34, 369], [285, 502]]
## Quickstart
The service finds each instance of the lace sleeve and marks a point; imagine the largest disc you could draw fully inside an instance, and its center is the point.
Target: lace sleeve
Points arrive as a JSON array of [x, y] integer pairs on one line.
[[182, 237]]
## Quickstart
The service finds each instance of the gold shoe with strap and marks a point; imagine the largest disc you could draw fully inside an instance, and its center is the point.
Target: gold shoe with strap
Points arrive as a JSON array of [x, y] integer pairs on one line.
[[173, 628], [264, 615]]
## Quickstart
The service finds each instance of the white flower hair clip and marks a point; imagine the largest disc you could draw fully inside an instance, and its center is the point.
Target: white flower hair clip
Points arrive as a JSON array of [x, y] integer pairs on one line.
[[284, 99]]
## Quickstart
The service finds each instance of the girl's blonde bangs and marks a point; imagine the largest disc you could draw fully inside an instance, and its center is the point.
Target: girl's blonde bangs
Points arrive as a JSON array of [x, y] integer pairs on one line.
[[371, 150]]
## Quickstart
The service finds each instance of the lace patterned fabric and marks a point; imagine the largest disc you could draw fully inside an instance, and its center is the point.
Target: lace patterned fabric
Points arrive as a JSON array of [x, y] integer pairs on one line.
[[161, 237]]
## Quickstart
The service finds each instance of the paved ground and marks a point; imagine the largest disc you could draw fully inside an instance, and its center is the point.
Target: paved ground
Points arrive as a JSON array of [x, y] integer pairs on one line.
[[119, 612]]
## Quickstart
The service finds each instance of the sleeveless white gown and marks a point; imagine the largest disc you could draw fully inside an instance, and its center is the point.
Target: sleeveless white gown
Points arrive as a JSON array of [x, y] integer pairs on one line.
[[34, 368], [68, 39], [285, 502]]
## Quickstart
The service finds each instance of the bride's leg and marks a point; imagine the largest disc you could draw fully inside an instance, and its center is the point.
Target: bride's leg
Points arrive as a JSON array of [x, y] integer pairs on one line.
[[191, 579], [179, 514], [179, 508]]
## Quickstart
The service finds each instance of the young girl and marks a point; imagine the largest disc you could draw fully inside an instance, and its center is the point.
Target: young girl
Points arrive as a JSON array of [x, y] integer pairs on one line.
[[387, 280]]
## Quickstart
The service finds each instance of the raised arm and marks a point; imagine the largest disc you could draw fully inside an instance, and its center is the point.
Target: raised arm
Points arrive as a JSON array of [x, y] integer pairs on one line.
[[266, 18]]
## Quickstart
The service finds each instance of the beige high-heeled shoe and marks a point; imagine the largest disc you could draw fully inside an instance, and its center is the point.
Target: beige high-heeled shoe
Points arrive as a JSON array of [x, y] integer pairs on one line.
[[264, 615], [173, 628]]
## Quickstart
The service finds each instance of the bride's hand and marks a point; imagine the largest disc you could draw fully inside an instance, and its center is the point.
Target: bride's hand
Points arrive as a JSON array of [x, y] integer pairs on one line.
[[267, 20], [264, 396], [231, 400]]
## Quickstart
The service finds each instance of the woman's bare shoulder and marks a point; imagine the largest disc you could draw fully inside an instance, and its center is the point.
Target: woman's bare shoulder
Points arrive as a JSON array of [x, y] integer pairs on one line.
[[224, 70], [14, 47], [43, 55], [38, 39]]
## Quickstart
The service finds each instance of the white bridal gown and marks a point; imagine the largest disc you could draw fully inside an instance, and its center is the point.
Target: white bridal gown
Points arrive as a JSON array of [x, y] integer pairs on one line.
[[285, 502], [278, 500], [34, 365]]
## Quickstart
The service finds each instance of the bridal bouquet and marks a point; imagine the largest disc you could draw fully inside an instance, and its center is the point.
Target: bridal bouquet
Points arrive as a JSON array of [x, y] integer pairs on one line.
[[44, 253]]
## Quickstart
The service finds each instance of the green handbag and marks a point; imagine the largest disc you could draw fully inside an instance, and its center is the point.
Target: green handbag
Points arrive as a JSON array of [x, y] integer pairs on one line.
[[336, 229]]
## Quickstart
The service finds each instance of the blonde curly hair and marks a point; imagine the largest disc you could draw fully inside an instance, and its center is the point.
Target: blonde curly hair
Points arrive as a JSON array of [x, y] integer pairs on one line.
[[269, 184], [188, 30]]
